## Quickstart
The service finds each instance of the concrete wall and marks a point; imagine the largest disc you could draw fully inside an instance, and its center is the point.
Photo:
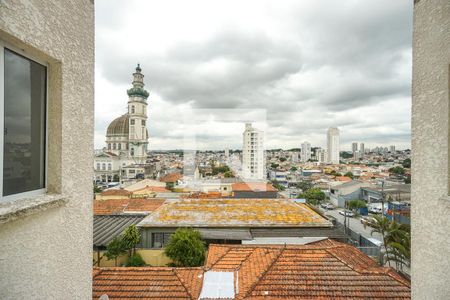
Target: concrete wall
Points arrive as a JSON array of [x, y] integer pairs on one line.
[[152, 257], [430, 151], [48, 254]]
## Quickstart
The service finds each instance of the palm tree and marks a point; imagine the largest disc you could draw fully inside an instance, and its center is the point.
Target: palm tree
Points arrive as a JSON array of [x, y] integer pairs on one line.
[[380, 225]]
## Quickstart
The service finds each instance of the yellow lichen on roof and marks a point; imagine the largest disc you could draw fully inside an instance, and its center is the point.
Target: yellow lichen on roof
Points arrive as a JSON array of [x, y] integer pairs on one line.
[[235, 212]]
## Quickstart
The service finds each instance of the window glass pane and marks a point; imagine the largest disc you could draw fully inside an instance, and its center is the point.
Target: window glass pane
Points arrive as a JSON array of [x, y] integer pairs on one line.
[[24, 133]]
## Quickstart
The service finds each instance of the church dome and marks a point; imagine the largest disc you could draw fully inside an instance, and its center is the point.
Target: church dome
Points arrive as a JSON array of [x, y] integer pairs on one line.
[[119, 126]]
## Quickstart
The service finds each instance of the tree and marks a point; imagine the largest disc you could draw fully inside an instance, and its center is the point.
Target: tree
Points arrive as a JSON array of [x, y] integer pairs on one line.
[[313, 196], [293, 169], [135, 261], [408, 179], [97, 189], [228, 174], [282, 159], [304, 185], [349, 174], [115, 248], [397, 170], [130, 238], [274, 166], [277, 185], [354, 205], [407, 163], [396, 240], [186, 248]]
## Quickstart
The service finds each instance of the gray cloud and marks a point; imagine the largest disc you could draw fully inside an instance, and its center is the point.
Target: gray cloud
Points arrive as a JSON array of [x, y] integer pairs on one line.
[[310, 64]]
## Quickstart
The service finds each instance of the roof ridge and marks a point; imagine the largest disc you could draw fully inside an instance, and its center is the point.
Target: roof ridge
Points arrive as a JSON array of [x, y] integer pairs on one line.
[[182, 283], [264, 272]]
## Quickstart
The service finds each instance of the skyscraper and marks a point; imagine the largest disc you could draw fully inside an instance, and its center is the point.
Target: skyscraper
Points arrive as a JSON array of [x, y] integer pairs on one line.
[[253, 160], [306, 151], [333, 145], [392, 149], [362, 149], [354, 147]]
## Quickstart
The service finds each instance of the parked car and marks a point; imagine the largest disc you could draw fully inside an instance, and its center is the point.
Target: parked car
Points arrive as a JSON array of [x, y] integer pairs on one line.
[[328, 206], [367, 220], [375, 210], [347, 213]]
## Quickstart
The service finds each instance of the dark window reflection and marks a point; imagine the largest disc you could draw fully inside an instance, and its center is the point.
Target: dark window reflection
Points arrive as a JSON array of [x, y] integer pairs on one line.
[[24, 133]]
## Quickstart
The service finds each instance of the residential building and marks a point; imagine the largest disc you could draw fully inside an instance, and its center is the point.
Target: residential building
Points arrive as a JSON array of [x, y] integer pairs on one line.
[[295, 157], [47, 115], [322, 156], [253, 160], [125, 154], [306, 151], [362, 149], [324, 269], [392, 149], [333, 145], [234, 220], [354, 147], [430, 150], [350, 190], [253, 190]]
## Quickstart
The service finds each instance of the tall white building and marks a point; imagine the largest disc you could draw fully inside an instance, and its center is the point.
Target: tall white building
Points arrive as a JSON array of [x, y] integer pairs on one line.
[[321, 155], [253, 159], [306, 151], [125, 153], [333, 145], [362, 149], [392, 149]]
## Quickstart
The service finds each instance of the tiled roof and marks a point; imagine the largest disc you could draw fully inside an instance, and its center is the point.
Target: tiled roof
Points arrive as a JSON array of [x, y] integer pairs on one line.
[[157, 189], [253, 186], [172, 177], [321, 270], [235, 213], [129, 205], [115, 192], [147, 283]]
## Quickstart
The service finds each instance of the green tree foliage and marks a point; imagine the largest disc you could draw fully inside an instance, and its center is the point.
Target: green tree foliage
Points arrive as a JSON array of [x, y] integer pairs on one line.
[[408, 179], [304, 185], [277, 185], [345, 154], [293, 169], [397, 170], [282, 159], [349, 174], [186, 248], [228, 174], [222, 169], [274, 166], [135, 260], [97, 189], [131, 237], [354, 205], [407, 163], [396, 240], [170, 186], [115, 248], [313, 196]]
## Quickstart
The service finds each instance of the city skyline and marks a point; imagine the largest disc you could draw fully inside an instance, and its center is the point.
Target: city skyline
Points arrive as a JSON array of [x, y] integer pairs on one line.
[[273, 65]]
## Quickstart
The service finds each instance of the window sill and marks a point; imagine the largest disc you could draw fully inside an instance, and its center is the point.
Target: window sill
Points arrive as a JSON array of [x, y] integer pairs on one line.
[[15, 209]]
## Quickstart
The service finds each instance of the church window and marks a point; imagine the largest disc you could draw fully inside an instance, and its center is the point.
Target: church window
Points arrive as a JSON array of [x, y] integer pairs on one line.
[[131, 122], [109, 167], [24, 144], [103, 166], [119, 146], [98, 166], [132, 151], [132, 109], [109, 146], [143, 122], [114, 146]]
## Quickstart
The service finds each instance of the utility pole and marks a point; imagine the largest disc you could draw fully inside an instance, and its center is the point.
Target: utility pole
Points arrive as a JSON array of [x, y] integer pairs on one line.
[[382, 198]]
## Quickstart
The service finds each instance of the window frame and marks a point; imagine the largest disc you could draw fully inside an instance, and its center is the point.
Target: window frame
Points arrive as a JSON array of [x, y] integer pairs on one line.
[[20, 52]]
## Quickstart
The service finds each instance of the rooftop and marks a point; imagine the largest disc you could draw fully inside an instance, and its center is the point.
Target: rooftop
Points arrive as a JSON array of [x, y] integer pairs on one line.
[[253, 186], [321, 270], [234, 213], [126, 206], [147, 283], [106, 228], [172, 177]]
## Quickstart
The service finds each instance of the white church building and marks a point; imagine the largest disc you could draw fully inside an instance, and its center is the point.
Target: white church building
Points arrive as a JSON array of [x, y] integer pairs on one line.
[[124, 157]]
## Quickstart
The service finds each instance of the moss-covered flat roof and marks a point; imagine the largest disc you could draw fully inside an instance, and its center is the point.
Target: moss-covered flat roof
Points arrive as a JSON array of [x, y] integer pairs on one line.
[[234, 213]]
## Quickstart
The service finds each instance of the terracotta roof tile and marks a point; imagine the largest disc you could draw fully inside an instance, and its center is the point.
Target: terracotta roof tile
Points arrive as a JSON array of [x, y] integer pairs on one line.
[[172, 177], [253, 186], [147, 283], [119, 206], [319, 270], [116, 192]]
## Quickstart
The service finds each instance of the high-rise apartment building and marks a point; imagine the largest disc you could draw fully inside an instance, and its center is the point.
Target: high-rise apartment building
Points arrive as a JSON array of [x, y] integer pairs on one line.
[[362, 149], [321, 155], [253, 160], [306, 151], [333, 145], [392, 149]]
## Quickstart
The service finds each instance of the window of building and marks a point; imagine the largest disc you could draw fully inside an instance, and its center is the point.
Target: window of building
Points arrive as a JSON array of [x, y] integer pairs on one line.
[[114, 146], [132, 122], [160, 239], [109, 167], [143, 122], [119, 146], [131, 171], [98, 166], [23, 107], [109, 146], [132, 151], [132, 109], [103, 166]]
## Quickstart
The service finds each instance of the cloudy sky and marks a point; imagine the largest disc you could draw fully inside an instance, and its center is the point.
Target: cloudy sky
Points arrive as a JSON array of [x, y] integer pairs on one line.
[[294, 68]]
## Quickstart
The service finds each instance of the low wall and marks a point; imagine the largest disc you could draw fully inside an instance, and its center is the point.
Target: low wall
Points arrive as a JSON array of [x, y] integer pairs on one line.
[[152, 257]]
